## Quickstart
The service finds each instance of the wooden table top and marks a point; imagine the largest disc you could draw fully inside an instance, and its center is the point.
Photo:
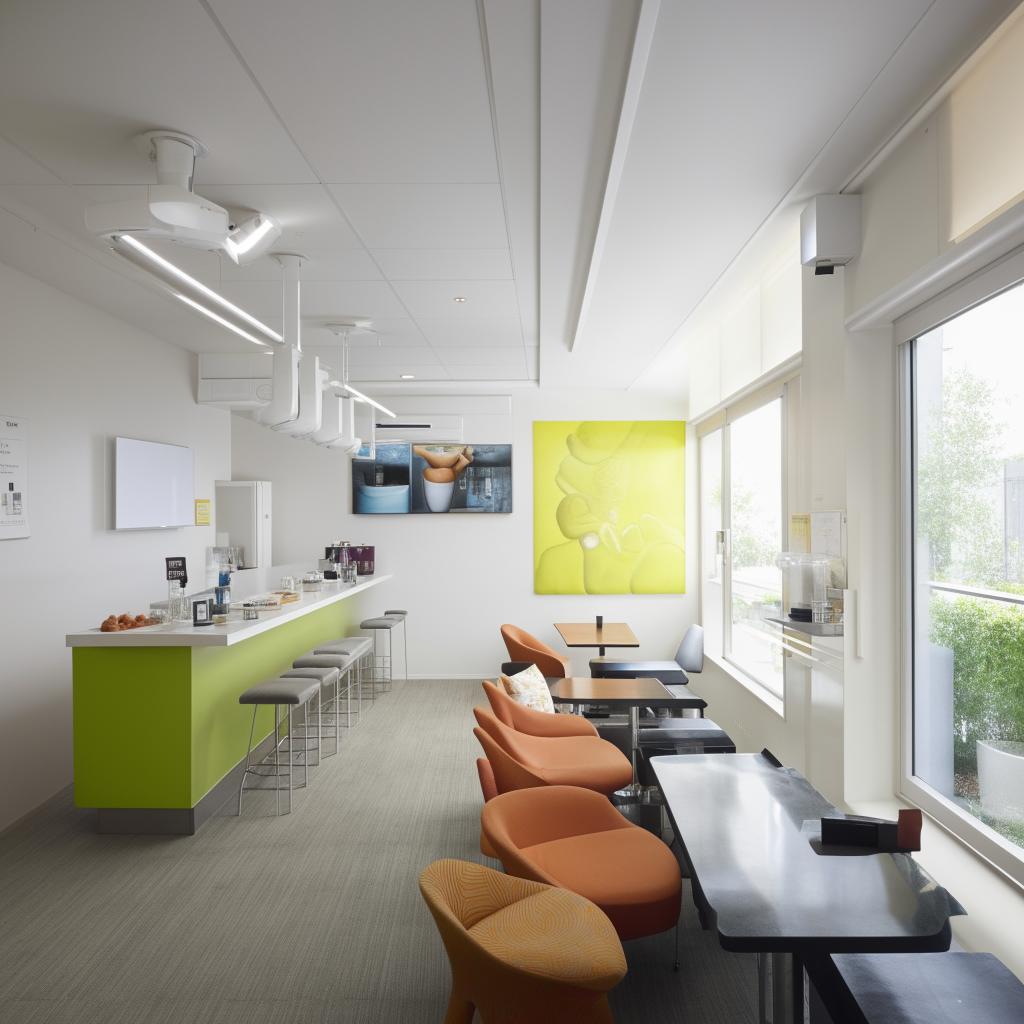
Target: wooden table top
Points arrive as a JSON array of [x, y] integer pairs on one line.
[[586, 634], [614, 692]]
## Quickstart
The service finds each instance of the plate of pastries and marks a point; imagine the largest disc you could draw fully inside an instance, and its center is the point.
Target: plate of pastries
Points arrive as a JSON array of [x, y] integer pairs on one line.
[[117, 623]]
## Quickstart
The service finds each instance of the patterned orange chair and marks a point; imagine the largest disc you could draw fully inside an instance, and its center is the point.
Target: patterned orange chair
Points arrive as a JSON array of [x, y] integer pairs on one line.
[[572, 837], [533, 723], [521, 950], [522, 646], [586, 761]]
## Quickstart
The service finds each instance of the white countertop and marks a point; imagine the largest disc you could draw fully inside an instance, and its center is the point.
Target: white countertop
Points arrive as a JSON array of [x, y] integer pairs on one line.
[[172, 634]]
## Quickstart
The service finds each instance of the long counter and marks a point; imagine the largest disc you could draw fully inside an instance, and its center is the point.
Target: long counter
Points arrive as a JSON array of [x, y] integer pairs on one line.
[[234, 631], [159, 735]]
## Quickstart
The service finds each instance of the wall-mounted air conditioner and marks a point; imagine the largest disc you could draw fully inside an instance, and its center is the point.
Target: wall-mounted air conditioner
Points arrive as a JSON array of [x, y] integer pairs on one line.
[[438, 428], [235, 380]]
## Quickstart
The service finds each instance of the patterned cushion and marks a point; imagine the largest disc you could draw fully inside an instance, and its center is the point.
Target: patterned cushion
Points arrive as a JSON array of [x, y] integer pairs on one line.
[[530, 689]]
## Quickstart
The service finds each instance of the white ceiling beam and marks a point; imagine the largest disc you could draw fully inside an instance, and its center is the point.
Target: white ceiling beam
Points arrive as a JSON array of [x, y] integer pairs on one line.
[[645, 28]]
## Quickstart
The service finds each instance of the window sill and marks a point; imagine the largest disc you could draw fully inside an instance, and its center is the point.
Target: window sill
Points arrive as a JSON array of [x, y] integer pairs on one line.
[[775, 704]]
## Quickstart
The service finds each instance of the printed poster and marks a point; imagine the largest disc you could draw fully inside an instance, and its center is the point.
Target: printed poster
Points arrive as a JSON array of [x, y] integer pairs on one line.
[[13, 478]]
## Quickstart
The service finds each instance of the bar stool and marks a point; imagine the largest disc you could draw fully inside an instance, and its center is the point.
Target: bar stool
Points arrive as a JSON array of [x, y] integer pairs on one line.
[[345, 663], [360, 646], [289, 693], [400, 614], [327, 678], [381, 662]]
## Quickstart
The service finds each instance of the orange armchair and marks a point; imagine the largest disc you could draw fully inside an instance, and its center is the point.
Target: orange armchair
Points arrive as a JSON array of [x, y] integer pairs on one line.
[[586, 761], [566, 836], [522, 646], [521, 950], [533, 723]]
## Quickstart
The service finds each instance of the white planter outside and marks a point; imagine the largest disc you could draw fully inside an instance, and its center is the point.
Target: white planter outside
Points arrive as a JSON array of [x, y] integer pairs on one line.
[[1001, 779]]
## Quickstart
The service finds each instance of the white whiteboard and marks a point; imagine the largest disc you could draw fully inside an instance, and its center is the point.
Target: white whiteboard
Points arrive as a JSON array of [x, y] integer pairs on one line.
[[154, 485]]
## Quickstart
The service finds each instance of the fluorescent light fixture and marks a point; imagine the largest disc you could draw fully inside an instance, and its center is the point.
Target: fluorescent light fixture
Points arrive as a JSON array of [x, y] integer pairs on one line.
[[369, 401], [252, 237], [216, 317], [164, 269], [408, 376]]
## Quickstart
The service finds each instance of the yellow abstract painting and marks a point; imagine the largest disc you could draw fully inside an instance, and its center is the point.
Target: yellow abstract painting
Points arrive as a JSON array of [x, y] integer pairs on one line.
[[608, 507]]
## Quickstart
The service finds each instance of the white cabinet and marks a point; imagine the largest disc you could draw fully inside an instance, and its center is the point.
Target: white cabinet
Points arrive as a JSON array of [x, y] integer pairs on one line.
[[243, 512]]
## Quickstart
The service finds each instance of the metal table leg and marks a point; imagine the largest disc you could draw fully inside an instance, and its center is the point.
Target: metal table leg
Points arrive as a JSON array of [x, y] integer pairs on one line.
[[780, 988]]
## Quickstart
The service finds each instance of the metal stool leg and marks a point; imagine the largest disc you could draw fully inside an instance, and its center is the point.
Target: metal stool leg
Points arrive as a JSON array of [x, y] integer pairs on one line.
[[405, 646], [277, 755], [291, 760], [248, 755]]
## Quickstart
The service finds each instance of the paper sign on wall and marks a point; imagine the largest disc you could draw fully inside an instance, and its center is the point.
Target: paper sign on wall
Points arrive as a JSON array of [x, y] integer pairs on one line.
[[202, 511], [13, 478]]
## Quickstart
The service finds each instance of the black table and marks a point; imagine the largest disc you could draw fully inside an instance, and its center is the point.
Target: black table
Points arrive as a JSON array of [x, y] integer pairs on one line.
[[750, 833]]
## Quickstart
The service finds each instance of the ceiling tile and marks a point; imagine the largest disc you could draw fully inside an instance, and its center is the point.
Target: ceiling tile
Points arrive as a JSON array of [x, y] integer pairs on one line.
[[79, 80], [488, 373], [477, 331], [484, 299], [397, 356], [382, 91], [390, 331], [418, 370], [482, 356], [425, 216], [18, 168], [341, 265], [444, 264], [320, 299]]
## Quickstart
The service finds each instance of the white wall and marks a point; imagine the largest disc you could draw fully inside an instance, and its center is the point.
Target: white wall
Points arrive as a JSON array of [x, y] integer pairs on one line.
[[460, 577], [80, 377]]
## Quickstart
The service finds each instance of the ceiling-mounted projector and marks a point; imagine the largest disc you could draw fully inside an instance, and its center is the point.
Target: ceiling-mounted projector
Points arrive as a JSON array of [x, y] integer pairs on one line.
[[171, 211]]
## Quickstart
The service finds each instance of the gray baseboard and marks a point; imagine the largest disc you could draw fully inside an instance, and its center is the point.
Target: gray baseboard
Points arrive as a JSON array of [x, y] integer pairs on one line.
[[177, 821]]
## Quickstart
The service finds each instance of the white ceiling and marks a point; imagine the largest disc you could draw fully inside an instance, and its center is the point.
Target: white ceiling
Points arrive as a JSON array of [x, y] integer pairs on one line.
[[416, 152]]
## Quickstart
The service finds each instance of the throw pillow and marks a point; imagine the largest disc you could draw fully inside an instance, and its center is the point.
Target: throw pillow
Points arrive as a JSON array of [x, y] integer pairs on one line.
[[530, 689]]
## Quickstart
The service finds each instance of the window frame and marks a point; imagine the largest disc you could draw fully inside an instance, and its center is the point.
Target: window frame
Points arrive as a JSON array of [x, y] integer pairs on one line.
[[975, 290], [776, 388]]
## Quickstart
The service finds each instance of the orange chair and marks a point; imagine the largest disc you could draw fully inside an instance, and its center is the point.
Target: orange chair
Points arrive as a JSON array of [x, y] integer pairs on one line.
[[524, 647], [521, 950], [533, 723], [520, 761], [489, 788], [572, 837]]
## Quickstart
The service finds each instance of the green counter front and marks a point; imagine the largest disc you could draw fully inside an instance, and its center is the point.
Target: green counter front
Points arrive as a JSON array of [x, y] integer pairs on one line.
[[159, 735]]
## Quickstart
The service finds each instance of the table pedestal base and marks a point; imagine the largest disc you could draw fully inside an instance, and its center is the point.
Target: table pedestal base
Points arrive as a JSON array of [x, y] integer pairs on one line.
[[785, 993]]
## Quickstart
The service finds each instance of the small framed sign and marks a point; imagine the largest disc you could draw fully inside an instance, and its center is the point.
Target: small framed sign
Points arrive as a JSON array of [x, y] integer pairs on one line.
[[176, 570], [201, 613]]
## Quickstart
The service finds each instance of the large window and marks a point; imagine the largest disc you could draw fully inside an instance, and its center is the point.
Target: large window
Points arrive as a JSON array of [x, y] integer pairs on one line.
[[742, 516], [966, 561]]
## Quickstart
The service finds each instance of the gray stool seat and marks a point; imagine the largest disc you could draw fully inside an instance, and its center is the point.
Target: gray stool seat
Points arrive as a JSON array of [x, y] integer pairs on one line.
[[380, 622], [288, 692], [280, 691], [347, 645], [327, 676], [340, 660]]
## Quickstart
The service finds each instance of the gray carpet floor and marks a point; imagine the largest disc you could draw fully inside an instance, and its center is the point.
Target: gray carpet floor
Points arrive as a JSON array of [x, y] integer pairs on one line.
[[311, 917]]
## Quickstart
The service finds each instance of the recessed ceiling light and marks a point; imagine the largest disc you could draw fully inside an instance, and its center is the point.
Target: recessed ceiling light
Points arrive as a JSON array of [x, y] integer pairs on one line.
[[408, 376], [459, 298]]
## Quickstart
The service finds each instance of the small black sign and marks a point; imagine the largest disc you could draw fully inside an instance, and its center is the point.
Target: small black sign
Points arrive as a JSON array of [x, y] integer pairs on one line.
[[176, 570], [201, 613]]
